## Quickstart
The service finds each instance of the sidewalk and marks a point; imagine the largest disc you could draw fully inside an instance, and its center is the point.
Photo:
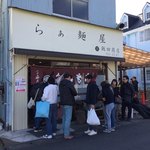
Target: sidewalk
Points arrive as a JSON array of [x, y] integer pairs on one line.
[[22, 136], [28, 135], [18, 136], [25, 138]]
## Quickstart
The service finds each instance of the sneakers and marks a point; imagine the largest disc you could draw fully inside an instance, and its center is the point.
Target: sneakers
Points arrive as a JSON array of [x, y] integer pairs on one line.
[[107, 131], [54, 134], [68, 137], [92, 133], [104, 125], [47, 136], [113, 129], [87, 131], [37, 130]]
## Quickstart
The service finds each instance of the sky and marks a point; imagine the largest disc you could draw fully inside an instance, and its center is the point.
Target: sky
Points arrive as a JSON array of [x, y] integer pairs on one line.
[[133, 7]]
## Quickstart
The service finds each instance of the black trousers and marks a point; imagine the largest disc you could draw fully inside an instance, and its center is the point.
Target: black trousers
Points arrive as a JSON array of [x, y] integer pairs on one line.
[[126, 104]]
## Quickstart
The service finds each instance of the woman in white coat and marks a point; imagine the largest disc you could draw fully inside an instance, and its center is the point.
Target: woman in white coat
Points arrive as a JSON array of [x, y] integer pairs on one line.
[[50, 95]]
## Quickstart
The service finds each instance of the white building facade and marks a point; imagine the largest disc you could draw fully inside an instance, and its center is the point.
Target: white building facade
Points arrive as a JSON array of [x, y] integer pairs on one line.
[[51, 39], [137, 34]]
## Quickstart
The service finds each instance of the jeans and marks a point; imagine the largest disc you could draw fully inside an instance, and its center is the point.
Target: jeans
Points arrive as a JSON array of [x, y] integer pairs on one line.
[[66, 120], [37, 122], [113, 117], [109, 108], [51, 122]]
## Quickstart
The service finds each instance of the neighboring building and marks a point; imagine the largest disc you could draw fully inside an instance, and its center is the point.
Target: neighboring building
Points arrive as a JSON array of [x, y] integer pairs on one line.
[[50, 37], [136, 33]]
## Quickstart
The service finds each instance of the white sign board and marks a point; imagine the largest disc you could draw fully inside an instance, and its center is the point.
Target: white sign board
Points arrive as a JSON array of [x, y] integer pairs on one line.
[[41, 32], [20, 84]]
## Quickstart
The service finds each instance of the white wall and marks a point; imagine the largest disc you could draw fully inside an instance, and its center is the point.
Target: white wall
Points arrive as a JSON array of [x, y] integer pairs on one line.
[[19, 112]]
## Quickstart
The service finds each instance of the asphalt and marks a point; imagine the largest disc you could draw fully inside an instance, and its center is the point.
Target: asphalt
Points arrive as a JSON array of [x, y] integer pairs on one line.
[[134, 134]]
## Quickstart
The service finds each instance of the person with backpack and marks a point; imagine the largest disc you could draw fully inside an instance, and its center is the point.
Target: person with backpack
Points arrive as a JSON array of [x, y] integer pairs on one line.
[[127, 93], [108, 100], [36, 93], [91, 100]]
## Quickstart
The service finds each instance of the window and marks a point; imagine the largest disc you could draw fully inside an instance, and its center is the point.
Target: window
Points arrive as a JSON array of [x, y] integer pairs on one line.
[[125, 24], [148, 75], [148, 15], [141, 36], [62, 7], [144, 35], [147, 34], [71, 8], [80, 9]]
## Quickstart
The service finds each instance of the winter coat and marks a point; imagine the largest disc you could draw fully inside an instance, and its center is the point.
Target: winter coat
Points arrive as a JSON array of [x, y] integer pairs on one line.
[[116, 94], [108, 94], [67, 92], [127, 92], [135, 85], [92, 93], [116, 91], [34, 89]]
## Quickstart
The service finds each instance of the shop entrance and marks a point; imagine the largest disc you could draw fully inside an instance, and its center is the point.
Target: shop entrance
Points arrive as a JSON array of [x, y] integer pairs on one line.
[[39, 70]]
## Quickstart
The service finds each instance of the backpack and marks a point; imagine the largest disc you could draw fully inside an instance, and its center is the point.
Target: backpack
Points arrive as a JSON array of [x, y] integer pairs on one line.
[[99, 95]]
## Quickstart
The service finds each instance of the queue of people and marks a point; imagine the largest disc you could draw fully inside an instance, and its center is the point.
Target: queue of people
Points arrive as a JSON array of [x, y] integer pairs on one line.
[[113, 97]]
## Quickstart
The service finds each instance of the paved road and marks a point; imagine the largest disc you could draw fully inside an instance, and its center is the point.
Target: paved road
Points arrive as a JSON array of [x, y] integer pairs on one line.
[[134, 135]]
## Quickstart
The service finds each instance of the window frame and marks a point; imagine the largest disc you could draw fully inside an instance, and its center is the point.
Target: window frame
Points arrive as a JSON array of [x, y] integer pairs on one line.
[[148, 75], [71, 17], [141, 36], [144, 35], [148, 16], [147, 34]]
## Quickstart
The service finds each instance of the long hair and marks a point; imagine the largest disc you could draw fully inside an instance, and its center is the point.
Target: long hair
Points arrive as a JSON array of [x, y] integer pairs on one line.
[[114, 80]]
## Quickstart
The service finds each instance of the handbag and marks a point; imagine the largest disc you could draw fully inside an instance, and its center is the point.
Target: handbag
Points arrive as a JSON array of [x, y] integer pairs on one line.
[[31, 102], [118, 100], [42, 109], [92, 118]]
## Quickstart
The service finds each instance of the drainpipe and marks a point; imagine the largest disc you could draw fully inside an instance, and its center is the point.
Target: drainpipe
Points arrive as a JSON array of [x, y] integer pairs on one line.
[[144, 76], [6, 65], [1, 51]]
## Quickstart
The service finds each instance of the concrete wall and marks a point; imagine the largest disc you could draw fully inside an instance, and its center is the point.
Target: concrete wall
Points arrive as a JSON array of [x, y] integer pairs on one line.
[[41, 6], [102, 12]]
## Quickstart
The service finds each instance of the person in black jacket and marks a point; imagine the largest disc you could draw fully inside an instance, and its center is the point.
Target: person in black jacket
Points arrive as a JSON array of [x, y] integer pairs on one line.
[[37, 88], [91, 99], [67, 93], [108, 100], [135, 84], [127, 94]]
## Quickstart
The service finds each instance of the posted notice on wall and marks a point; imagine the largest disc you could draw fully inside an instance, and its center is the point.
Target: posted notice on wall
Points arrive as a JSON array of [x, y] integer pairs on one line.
[[20, 85]]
